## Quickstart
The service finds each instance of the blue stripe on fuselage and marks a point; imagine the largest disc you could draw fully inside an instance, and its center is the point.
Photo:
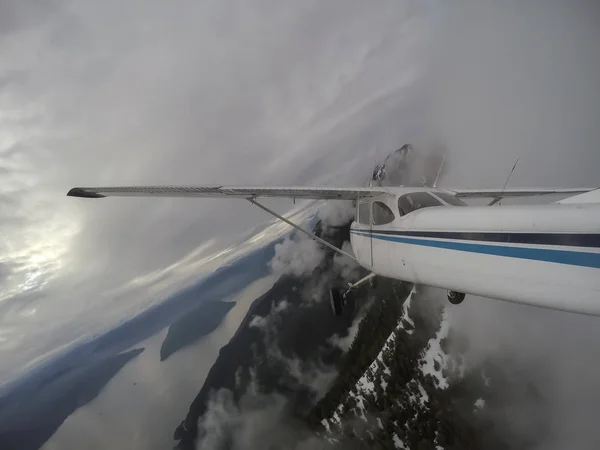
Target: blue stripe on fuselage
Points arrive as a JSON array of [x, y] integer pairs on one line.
[[573, 258], [564, 239]]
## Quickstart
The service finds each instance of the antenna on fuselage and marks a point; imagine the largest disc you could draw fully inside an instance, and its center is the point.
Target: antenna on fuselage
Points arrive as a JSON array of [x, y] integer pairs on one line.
[[506, 183], [437, 177], [376, 148]]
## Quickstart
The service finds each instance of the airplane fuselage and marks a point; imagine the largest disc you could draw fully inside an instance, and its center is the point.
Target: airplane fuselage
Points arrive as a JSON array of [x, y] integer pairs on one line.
[[545, 255]]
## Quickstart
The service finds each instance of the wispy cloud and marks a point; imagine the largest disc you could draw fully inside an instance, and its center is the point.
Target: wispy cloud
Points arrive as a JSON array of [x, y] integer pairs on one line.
[[93, 94], [298, 257]]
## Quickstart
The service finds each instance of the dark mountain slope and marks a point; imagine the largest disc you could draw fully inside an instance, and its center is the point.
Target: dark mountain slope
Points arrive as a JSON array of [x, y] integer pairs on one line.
[[292, 322]]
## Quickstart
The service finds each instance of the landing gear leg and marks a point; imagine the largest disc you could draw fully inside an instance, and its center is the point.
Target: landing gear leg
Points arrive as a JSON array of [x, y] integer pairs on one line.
[[456, 298], [338, 297]]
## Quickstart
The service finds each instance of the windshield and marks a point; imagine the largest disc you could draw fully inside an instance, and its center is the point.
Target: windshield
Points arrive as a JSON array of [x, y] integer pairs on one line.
[[450, 199], [416, 200], [382, 214], [364, 213]]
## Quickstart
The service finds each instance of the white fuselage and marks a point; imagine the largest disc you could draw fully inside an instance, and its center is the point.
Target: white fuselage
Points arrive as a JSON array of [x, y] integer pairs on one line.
[[544, 255]]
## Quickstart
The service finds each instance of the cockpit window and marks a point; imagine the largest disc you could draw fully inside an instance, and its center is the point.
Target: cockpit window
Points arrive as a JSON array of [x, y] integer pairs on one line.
[[382, 214], [416, 200], [450, 199], [364, 213]]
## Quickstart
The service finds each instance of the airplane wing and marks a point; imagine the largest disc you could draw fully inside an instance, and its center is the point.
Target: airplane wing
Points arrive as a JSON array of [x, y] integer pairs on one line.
[[244, 192], [524, 192]]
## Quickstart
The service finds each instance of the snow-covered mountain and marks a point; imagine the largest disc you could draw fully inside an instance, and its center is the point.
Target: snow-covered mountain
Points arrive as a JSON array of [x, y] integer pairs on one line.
[[358, 401], [417, 392]]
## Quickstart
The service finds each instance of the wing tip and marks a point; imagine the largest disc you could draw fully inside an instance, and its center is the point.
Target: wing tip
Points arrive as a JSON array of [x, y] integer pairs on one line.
[[83, 193]]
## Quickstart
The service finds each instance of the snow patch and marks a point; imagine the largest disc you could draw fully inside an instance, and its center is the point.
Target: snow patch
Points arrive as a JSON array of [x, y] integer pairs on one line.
[[424, 397], [335, 418], [435, 354], [437, 446], [360, 402], [418, 394], [364, 383], [366, 386], [398, 442], [406, 307]]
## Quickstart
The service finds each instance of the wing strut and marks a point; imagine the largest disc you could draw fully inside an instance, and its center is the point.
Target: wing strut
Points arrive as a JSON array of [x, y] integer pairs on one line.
[[299, 228], [360, 282]]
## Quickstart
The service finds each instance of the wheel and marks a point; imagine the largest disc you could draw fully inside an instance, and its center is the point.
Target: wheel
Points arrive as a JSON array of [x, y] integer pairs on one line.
[[337, 301], [455, 298], [374, 282]]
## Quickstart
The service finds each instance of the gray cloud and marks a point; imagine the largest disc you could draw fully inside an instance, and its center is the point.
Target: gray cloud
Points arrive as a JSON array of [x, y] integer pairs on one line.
[[298, 256], [311, 374], [259, 421], [336, 214], [346, 268], [552, 351], [344, 342], [520, 79]]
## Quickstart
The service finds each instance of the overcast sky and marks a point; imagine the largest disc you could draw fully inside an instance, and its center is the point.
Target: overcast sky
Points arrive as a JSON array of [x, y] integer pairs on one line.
[[252, 92], [237, 92]]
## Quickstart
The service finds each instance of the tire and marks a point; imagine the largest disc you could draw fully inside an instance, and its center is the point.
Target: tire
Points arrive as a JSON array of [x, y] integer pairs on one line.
[[456, 298], [337, 301]]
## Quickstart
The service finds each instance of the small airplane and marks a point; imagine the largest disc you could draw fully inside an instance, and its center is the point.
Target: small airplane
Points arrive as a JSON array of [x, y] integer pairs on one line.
[[545, 255]]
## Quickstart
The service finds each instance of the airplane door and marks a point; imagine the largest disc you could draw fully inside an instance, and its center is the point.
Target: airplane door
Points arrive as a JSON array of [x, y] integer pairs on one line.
[[382, 218], [362, 243], [371, 235]]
